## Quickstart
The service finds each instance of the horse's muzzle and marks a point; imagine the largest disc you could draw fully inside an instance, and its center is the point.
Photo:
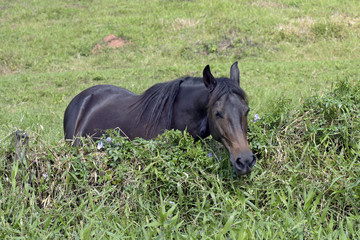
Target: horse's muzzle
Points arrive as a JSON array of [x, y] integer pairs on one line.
[[244, 163]]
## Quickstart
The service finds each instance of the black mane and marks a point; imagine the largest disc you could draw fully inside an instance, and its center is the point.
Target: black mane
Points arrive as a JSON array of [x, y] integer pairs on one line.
[[154, 101]]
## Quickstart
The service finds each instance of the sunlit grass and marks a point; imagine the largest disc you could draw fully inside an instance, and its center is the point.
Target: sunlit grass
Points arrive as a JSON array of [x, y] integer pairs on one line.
[[305, 184]]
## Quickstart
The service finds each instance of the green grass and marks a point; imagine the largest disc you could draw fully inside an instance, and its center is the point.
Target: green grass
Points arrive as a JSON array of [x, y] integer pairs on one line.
[[299, 64]]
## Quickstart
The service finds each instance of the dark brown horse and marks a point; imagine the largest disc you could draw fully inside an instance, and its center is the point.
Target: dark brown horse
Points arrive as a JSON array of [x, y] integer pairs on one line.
[[203, 106]]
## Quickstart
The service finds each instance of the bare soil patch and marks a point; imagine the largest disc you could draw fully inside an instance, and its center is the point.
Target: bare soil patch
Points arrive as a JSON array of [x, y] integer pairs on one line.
[[110, 41]]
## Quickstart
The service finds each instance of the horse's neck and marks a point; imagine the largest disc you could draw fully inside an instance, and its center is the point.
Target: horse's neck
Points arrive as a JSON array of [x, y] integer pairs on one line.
[[193, 97], [190, 110]]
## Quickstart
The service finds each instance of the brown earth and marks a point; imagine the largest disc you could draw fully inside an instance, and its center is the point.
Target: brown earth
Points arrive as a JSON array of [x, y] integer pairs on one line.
[[110, 41]]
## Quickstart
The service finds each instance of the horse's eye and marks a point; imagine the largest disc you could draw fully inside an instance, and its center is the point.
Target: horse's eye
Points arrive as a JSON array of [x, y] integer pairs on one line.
[[218, 114]]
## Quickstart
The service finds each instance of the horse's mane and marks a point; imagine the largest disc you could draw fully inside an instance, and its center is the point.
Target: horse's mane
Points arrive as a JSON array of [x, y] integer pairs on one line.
[[161, 97], [154, 101]]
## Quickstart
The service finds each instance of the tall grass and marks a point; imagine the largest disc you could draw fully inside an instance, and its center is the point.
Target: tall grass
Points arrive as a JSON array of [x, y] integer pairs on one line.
[[290, 48], [305, 184]]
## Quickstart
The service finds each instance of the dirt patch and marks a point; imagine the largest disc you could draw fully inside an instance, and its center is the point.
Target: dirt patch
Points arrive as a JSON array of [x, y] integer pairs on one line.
[[110, 41]]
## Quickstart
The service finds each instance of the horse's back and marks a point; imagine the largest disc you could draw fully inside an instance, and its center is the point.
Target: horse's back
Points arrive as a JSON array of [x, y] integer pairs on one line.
[[84, 104], [192, 81]]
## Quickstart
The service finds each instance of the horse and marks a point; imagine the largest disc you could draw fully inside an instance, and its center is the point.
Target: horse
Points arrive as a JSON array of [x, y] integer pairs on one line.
[[203, 106]]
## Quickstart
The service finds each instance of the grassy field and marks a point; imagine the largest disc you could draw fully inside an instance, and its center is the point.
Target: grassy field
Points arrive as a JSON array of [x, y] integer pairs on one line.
[[300, 66]]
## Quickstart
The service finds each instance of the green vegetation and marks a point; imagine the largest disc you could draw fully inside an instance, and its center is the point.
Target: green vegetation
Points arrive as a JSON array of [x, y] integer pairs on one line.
[[299, 64]]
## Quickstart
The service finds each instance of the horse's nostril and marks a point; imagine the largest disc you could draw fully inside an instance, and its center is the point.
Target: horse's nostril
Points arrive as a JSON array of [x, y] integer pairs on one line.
[[239, 164]]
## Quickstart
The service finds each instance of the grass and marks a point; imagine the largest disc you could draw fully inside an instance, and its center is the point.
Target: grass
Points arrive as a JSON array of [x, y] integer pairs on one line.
[[299, 64]]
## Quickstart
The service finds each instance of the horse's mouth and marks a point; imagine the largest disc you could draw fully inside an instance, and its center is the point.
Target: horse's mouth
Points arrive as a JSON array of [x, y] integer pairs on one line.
[[243, 172]]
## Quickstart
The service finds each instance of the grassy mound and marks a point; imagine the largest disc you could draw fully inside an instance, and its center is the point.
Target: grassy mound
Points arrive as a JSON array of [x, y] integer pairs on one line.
[[305, 184]]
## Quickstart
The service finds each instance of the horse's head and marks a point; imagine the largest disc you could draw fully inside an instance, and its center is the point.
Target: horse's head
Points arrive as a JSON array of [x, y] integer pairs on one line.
[[227, 117]]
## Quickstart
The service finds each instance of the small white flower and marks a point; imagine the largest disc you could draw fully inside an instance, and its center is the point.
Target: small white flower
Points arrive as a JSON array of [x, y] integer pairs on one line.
[[256, 118], [100, 145]]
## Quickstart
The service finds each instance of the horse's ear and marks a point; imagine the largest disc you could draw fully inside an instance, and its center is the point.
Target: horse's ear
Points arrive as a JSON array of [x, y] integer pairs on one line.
[[235, 73], [209, 80]]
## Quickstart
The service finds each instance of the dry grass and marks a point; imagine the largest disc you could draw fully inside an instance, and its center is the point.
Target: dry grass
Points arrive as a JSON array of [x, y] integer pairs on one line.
[[300, 27], [346, 20], [181, 23], [311, 29], [268, 4]]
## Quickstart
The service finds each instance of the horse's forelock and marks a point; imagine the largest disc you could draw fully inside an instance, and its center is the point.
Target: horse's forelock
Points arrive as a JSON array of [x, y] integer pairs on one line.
[[225, 86]]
